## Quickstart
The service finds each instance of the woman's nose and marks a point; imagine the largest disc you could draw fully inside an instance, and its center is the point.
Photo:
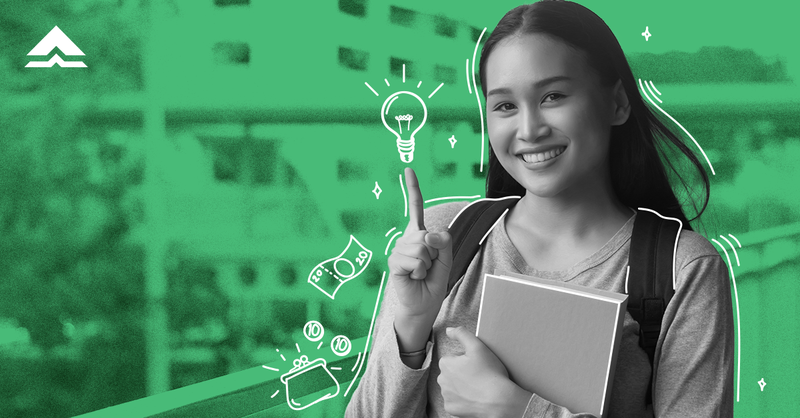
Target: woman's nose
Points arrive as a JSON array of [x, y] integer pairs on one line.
[[532, 125]]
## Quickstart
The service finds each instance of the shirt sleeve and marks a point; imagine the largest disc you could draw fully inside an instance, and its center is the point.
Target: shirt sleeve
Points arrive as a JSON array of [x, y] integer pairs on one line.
[[389, 388], [538, 407], [693, 371]]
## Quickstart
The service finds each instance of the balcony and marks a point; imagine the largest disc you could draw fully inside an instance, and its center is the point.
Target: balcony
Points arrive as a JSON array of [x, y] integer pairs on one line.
[[260, 392], [255, 392]]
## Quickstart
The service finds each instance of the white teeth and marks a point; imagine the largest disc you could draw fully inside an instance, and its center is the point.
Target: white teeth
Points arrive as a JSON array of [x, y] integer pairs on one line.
[[543, 156]]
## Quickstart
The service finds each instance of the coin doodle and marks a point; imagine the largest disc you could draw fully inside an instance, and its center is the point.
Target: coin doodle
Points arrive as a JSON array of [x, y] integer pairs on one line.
[[313, 331], [340, 345]]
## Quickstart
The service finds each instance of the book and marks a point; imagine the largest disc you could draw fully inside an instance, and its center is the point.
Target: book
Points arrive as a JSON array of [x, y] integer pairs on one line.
[[558, 340]]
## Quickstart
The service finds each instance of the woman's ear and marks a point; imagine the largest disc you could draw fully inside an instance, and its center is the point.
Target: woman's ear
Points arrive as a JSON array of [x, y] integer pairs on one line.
[[622, 108]]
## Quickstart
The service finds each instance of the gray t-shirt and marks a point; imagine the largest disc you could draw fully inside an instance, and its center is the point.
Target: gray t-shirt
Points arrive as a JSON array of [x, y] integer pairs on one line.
[[693, 364]]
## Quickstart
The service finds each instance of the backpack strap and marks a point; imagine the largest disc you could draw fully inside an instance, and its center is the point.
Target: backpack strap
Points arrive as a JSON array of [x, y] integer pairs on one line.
[[651, 264], [469, 228]]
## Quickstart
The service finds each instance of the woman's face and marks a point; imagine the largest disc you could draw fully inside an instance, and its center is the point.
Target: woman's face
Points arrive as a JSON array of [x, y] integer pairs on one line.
[[548, 115]]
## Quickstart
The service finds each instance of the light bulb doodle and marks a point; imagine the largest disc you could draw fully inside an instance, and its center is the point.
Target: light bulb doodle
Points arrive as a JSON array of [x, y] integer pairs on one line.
[[397, 107], [401, 107]]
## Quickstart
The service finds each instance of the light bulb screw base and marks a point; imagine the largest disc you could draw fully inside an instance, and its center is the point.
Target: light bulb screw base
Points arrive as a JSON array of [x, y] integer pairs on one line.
[[406, 150]]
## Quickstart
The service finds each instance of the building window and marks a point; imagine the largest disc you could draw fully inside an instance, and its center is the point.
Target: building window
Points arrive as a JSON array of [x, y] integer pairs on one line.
[[445, 74], [231, 53], [348, 170], [248, 275], [402, 17], [353, 7], [476, 33], [476, 171], [446, 169], [353, 58], [291, 176], [288, 315], [372, 275], [245, 160], [223, 3], [353, 221], [288, 275], [265, 160], [227, 161], [396, 68], [445, 26]]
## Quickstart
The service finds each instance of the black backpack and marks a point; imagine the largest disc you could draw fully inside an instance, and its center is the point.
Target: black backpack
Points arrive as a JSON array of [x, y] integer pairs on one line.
[[650, 264]]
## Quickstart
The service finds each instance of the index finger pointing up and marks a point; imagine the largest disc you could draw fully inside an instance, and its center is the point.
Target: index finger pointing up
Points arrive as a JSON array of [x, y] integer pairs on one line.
[[416, 217]]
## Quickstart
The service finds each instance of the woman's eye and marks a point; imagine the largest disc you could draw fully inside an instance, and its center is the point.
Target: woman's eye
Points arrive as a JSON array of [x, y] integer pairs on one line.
[[505, 107], [553, 97]]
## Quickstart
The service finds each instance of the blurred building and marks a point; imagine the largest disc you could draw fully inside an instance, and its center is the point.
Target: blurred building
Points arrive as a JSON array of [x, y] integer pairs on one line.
[[276, 145], [255, 179], [263, 145]]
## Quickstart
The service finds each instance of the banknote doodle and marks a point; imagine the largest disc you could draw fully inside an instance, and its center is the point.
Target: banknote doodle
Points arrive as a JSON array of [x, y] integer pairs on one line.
[[329, 275]]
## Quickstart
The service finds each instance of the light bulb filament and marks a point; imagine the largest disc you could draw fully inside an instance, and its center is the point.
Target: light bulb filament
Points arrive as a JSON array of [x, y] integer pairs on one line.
[[406, 118]]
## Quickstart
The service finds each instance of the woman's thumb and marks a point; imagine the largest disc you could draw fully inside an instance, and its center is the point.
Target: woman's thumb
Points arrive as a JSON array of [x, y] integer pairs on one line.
[[438, 240], [442, 242]]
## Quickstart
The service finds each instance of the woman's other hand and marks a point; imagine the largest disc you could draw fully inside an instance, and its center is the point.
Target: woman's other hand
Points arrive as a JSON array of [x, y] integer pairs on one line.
[[476, 384]]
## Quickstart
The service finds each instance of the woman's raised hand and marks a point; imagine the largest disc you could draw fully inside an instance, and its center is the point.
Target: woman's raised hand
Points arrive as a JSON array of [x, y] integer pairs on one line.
[[420, 262]]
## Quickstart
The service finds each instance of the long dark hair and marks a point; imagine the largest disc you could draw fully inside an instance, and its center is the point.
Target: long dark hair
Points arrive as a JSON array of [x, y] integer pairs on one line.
[[638, 173]]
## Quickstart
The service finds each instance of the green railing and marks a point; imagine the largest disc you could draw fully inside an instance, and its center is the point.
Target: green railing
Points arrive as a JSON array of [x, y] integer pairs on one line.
[[252, 392], [259, 392]]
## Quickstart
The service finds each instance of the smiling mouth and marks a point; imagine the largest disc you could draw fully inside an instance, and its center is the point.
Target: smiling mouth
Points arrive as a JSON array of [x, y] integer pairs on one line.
[[542, 156]]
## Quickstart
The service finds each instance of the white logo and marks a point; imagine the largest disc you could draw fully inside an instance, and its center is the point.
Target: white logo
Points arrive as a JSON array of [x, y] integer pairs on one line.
[[56, 38]]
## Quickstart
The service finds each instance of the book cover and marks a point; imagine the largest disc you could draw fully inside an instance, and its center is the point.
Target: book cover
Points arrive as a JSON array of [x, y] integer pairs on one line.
[[558, 340]]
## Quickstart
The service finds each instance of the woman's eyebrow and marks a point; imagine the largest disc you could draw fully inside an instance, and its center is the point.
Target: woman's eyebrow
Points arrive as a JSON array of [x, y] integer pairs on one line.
[[550, 80], [501, 90], [539, 84]]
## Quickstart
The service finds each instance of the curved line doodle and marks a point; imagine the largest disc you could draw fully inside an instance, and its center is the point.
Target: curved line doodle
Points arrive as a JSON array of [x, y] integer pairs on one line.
[[679, 125], [732, 248], [405, 198], [453, 198], [738, 323], [478, 96], [389, 244]]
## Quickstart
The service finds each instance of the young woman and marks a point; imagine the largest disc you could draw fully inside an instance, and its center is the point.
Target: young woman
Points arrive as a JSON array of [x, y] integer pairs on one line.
[[569, 133]]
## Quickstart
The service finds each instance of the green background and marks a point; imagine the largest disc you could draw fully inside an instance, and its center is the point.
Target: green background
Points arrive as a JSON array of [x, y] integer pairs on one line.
[[160, 210]]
